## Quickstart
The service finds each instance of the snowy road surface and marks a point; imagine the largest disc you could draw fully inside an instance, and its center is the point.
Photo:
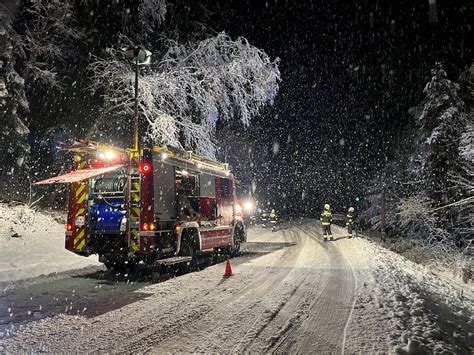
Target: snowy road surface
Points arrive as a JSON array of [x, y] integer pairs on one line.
[[291, 292]]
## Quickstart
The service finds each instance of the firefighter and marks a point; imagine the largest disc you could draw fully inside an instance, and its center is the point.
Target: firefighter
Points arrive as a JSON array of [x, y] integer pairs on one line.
[[326, 220], [350, 221]]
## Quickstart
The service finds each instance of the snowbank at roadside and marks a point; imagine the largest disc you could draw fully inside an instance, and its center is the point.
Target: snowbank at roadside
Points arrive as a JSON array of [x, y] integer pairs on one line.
[[421, 312], [32, 244]]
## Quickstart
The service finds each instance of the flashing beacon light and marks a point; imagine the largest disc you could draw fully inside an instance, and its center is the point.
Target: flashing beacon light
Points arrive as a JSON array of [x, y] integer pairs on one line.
[[145, 168], [249, 206], [68, 227], [109, 155]]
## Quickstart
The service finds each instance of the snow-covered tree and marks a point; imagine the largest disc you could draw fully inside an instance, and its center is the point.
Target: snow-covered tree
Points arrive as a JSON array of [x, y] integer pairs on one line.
[[36, 40], [466, 145], [13, 108], [47, 39], [440, 127], [151, 14], [430, 196], [192, 87], [464, 179]]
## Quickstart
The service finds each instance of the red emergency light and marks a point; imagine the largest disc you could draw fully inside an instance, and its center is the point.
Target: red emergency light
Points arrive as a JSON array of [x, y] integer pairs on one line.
[[145, 168], [68, 227]]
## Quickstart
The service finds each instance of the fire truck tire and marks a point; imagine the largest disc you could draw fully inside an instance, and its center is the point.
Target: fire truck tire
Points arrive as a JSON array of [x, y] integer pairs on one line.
[[237, 239], [188, 243], [114, 265], [120, 266], [189, 247]]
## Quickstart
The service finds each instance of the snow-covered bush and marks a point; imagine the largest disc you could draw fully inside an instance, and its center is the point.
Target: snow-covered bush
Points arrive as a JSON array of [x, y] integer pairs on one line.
[[192, 87], [415, 213], [417, 220]]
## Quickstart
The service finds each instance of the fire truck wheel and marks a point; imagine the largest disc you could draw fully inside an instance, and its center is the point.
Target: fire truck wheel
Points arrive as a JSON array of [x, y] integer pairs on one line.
[[237, 240], [109, 265], [114, 265], [120, 266], [188, 243], [189, 247]]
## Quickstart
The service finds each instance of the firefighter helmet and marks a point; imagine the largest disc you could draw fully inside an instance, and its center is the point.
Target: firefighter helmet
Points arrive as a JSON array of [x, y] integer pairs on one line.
[[327, 207], [351, 209]]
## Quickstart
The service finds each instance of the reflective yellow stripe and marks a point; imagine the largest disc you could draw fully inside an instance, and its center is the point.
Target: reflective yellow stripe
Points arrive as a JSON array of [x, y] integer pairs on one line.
[[81, 244], [135, 241], [80, 189], [135, 197], [81, 165], [81, 199], [80, 234], [80, 212], [136, 211], [136, 186], [326, 223]]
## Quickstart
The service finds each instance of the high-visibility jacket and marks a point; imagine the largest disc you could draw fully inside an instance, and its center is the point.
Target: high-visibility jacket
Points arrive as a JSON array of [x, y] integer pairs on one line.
[[349, 218], [326, 218]]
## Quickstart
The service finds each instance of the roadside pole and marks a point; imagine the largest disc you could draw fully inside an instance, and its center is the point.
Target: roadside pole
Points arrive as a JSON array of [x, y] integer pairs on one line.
[[382, 211]]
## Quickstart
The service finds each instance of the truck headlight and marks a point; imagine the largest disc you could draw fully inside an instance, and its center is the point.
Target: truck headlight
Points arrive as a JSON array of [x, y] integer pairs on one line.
[[123, 224], [80, 221]]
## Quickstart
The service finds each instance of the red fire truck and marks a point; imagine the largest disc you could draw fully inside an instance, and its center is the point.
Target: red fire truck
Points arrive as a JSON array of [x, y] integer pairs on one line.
[[158, 205]]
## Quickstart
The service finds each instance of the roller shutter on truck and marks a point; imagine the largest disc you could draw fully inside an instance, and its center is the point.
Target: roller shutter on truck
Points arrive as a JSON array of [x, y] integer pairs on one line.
[[164, 190]]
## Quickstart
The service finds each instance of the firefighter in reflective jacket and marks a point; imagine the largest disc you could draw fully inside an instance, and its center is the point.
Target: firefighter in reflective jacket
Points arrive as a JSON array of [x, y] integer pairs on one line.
[[326, 220], [350, 221]]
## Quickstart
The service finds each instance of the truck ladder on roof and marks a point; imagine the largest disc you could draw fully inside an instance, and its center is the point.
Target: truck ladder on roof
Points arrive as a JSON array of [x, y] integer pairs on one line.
[[134, 198], [189, 156]]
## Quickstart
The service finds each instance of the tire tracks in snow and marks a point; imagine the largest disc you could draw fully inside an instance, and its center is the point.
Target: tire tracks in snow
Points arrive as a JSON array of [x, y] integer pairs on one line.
[[279, 303], [349, 318], [290, 331], [226, 333], [322, 330], [196, 325]]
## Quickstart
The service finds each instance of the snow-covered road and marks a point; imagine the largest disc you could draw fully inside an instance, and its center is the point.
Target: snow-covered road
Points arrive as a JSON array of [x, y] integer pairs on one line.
[[291, 292]]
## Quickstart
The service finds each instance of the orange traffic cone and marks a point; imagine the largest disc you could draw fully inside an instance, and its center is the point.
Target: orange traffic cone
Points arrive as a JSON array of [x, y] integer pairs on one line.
[[228, 269]]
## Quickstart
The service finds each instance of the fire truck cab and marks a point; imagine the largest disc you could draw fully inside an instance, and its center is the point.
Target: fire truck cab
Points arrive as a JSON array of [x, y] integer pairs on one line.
[[154, 205]]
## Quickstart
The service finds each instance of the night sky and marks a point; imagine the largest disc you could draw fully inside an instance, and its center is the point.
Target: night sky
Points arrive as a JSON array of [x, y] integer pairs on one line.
[[350, 72]]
